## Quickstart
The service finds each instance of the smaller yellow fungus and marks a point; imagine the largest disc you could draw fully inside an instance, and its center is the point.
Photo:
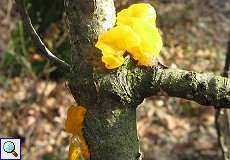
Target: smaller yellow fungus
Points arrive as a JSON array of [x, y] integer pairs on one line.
[[74, 152], [78, 148], [75, 118]]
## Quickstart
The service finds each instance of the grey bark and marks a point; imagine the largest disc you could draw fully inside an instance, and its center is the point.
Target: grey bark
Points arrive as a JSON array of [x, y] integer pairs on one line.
[[132, 84]]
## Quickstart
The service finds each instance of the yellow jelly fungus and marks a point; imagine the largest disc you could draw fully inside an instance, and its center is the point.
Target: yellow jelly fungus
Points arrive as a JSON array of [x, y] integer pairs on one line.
[[150, 46], [75, 118], [74, 152], [112, 61], [143, 11], [113, 44], [78, 148], [136, 33]]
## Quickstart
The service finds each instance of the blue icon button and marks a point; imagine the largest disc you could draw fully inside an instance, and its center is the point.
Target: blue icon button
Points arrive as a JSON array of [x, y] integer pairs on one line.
[[9, 147]]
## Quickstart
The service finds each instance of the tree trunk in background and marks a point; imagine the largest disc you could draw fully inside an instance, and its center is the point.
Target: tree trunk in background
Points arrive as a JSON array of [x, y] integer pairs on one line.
[[223, 117], [223, 130], [110, 126]]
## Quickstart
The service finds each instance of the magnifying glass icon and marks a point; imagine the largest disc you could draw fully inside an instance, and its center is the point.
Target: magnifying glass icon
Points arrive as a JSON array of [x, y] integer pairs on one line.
[[9, 147]]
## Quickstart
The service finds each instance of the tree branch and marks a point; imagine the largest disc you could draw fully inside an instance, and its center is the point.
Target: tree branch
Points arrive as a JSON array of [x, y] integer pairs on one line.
[[36, 39], [134, 84]]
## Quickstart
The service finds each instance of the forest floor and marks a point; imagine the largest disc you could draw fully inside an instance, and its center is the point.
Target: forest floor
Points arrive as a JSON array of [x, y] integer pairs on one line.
[[195, 35]]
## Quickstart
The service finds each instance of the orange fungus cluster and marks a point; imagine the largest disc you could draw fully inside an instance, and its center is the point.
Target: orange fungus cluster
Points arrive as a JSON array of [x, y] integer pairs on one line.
[[78, 149]]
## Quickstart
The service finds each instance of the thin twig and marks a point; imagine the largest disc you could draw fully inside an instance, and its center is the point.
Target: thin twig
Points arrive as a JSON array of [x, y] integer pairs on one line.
[[36, 39]]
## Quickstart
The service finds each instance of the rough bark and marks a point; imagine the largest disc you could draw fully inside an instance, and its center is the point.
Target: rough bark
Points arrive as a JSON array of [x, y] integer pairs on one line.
[[132, 84]]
